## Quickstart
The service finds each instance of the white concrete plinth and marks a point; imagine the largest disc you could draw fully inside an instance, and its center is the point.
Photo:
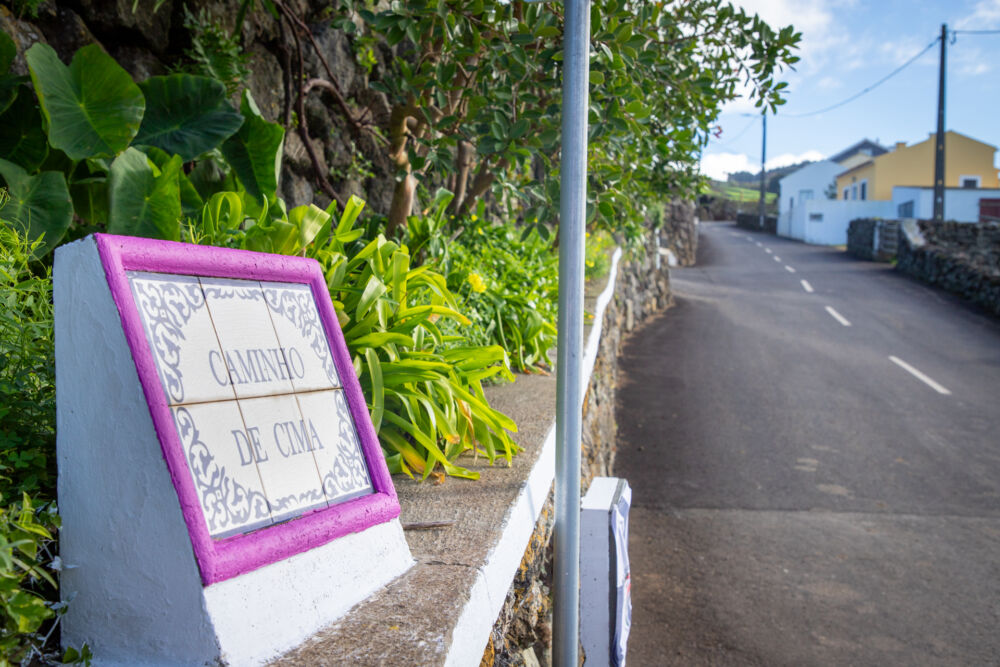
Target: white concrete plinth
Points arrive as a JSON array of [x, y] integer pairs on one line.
[[131, 579]]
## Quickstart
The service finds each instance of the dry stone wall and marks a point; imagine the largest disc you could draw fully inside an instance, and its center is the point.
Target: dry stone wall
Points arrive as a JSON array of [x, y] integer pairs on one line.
[[522, 632], [963, 258], [147, 43], [679, 231], [752, 221], [861, 238]]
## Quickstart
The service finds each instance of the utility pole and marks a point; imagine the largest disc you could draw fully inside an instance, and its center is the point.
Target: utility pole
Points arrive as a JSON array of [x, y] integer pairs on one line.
[[763, 174], [939, 137]]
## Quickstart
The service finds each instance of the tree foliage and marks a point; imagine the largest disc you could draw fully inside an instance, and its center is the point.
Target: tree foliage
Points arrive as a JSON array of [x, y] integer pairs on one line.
[[476, 94]]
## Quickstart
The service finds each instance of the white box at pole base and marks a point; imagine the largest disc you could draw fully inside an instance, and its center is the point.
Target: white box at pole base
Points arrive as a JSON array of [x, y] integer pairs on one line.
[[221, 490], [605, 578]]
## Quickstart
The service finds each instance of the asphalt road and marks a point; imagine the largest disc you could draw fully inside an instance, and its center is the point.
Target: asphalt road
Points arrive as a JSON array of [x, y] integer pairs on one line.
[[800, 498]]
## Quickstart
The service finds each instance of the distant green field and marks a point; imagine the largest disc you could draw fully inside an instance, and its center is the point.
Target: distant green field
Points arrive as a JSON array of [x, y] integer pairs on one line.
[[736, 193]]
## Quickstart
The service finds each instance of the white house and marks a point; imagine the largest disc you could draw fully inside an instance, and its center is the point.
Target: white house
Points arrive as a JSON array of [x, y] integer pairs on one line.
[[802, 185], [806, 213]]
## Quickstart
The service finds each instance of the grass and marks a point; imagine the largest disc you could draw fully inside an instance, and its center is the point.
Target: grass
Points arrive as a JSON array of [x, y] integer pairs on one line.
[[736, 193]]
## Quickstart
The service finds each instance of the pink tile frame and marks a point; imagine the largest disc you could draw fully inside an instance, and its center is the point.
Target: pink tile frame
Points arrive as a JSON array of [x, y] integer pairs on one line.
[[219, 560]]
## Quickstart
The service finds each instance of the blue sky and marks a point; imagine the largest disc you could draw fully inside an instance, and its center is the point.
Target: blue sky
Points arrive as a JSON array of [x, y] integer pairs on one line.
[[847, 45]]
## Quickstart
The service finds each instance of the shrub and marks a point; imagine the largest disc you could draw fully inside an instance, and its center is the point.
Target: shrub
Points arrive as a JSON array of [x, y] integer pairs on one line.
[[509, 284], [27, 371]]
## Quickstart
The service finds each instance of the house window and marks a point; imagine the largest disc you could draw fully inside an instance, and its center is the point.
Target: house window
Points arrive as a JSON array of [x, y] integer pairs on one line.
[[845, 194], [854, 191], [969, 182], [815, 217], [905, 209], [864, 190]]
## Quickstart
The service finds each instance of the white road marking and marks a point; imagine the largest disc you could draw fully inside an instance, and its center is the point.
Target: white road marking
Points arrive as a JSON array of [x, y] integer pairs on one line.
[[837, 316], [767, 250], [789, 269], [920, 376], [776, 258], [749, 238], [806, 286], [759, 244]]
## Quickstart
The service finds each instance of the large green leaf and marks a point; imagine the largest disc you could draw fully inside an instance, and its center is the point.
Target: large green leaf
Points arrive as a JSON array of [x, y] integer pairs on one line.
[[191, 201], [186, 114], [8, 82], [38, 204], [92, 108], [8, 51], [254, 152], [22, 139], [145, 201]]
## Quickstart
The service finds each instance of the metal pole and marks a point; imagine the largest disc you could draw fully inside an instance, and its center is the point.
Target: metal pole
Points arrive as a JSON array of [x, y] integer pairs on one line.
[[572, 217], [763, 173], [939, 137]]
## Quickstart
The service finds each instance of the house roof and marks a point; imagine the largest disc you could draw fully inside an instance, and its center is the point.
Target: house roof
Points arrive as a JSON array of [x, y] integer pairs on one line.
[[916, 143], [872, 147]]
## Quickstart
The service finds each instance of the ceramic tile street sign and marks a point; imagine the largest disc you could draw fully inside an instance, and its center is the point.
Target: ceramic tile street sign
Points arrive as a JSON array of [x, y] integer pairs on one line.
[[222, 490], [250, 385]]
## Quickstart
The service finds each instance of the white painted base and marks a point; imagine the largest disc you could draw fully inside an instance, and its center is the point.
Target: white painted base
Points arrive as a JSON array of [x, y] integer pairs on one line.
[[130, 574]]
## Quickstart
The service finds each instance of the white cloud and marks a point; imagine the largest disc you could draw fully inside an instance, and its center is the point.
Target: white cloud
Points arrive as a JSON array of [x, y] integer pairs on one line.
[[823, 37], [786, 159], [720, 165], [985, 16], [897, 52]]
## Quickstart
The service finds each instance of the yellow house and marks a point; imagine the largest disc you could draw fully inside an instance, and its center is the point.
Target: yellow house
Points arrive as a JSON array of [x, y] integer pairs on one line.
[[968, 164]]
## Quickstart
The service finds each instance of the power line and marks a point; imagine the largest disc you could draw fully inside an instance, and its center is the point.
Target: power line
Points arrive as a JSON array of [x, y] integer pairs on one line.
[[975, 32], [869, 88]]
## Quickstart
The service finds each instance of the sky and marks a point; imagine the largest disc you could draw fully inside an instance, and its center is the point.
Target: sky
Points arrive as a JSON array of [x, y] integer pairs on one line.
[[848, 45]]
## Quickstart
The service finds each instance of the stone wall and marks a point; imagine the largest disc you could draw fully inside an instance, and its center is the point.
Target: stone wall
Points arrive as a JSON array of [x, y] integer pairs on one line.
[[963, 258], [679, 231], [522, 633], [147, 43], [752, 221], [861, 238]]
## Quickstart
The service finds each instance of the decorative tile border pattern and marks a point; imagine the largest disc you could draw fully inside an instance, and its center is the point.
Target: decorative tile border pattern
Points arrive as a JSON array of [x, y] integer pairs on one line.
[[260, 417]]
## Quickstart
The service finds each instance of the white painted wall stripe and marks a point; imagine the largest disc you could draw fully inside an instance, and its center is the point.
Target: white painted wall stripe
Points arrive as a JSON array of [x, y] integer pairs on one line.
[[837, 316], [806, 286], [789, 269], [493, 578], [920, 376]]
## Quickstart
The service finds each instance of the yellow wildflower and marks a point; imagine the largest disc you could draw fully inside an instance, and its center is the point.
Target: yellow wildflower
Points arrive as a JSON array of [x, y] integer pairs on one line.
[[477, 283]]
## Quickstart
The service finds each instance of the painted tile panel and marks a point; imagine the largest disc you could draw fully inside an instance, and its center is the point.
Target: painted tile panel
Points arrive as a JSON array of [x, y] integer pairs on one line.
[[301, 336], [250, 349], [287, 467], [338, 450], [181, 337], [222, 459]]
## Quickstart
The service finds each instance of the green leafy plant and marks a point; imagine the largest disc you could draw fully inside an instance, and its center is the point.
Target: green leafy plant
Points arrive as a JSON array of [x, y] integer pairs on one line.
[[27, 370], [509, 285], [424, 387], [599, 246], [215, 53]]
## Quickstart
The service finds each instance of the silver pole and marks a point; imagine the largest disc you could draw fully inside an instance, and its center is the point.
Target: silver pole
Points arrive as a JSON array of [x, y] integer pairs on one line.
[[572, 217]]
